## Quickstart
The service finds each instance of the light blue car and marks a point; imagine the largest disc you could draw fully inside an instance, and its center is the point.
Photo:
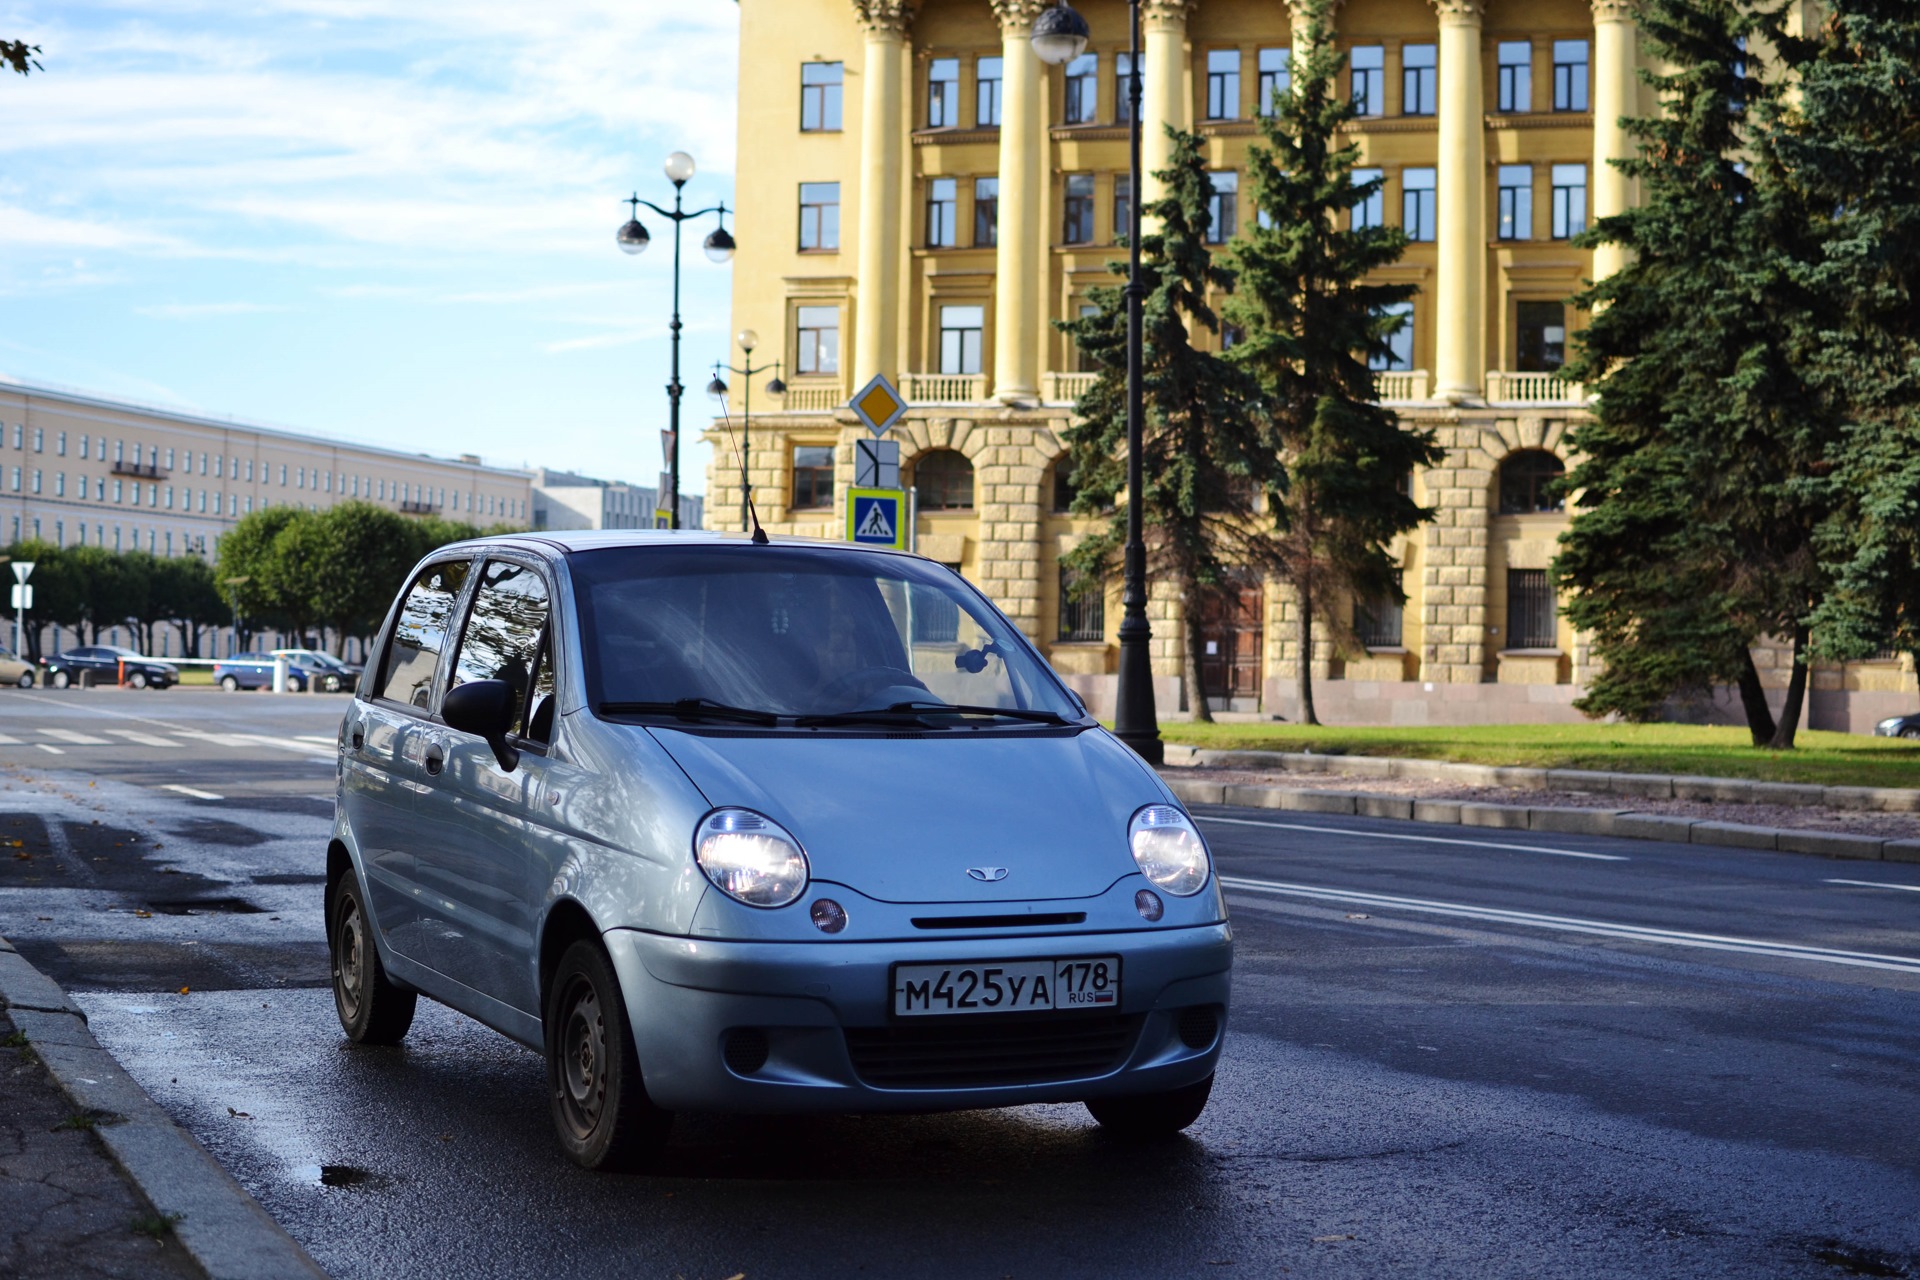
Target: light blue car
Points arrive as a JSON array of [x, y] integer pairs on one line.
[[726, 826]]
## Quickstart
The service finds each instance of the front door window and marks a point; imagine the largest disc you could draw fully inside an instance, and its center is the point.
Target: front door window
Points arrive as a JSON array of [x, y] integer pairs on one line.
[[502, 639]]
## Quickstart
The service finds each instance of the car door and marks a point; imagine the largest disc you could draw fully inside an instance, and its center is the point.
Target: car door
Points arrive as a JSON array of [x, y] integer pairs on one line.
[[386, 786], [487, 865]]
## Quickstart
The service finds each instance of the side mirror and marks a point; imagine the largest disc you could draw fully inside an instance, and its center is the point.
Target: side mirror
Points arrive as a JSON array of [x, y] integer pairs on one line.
[[484, 708]]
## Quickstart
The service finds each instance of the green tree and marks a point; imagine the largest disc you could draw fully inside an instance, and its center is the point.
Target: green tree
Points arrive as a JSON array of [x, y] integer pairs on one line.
[[57, 593], [184, 593], [1697, 493], [368, 550], [1312, 323], [250, 570], [19, 55], [1206, 451]]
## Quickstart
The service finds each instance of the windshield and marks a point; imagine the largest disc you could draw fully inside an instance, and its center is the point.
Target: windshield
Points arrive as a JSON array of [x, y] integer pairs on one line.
[[797, 631]]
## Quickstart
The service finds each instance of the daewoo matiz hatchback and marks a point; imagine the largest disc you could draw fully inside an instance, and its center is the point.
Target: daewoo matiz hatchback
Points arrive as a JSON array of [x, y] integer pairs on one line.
[[719, 825]]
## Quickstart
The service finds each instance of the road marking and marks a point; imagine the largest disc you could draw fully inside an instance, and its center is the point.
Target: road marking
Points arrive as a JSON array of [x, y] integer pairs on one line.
[[144, 739], [189, 791], [77, 739], [52, 751], [1876, 884], [329, 743], [5, 741], [1394, 835], [1575, 924]]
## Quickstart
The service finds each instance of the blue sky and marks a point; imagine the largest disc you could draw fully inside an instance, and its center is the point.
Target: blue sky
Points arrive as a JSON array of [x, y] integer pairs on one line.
[[382, 220]]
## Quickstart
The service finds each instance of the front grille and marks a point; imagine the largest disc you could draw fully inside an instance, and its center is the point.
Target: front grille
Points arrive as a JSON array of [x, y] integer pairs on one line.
[[1199, 1025], [968, 1052], [999, 922]]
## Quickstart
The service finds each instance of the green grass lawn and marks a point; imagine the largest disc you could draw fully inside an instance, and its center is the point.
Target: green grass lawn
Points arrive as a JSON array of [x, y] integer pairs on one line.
[[201, 676], [1832, 759]]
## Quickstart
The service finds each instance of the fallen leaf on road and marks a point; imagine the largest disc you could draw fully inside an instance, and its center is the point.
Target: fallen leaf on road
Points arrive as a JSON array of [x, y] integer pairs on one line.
[[185, 990], [1359, 915], [143, 915], [238, 1115]]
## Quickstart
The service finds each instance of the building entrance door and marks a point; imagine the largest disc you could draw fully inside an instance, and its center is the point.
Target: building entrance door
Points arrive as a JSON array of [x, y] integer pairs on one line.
[[1232, 632]]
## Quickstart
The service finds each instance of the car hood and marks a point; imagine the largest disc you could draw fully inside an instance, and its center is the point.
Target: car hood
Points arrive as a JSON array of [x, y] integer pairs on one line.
[[902, 819]]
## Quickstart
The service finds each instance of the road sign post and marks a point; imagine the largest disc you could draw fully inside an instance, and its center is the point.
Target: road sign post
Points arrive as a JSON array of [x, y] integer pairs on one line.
[[22, 601], [877, 514]]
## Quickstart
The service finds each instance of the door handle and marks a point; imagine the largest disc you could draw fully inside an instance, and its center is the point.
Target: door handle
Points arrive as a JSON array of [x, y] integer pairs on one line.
[[359, 739], [436, 758]]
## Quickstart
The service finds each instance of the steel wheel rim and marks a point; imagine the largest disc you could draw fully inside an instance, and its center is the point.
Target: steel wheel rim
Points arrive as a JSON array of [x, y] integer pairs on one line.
[[349, 963], [583, 1060]]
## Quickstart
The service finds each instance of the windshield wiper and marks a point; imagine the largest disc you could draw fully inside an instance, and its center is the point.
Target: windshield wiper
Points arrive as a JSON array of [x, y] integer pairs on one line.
[[691, 709], [919, 710]]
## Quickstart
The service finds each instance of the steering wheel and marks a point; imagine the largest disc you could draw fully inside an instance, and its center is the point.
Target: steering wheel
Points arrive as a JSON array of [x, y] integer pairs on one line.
[[855, 686]]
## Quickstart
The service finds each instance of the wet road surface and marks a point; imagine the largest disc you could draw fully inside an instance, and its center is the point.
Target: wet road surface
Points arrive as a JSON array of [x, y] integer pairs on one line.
[[1451, 1055]]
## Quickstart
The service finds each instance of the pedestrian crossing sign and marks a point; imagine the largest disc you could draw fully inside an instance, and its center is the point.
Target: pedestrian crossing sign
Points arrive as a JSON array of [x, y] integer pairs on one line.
[[877, 518]]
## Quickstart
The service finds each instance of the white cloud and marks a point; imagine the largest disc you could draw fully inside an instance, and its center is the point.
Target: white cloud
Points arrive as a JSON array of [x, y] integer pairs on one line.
[[196, 310]]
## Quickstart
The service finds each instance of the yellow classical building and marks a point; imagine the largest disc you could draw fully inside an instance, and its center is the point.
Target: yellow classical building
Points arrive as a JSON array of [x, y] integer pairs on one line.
[[922, 197]]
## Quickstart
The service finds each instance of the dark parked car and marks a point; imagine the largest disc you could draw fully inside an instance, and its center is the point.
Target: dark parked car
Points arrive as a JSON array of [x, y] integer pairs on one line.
[[1899, 727], [305, 668], [110, 664]]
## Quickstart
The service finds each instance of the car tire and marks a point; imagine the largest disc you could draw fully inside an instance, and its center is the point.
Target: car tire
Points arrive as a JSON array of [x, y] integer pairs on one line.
[[1152, 1115], [601, 1110], [296, 686], [230, 684], [26, 680], [138, 680], [373, 1008], [1911, 732], [331, 684], [61, 679]]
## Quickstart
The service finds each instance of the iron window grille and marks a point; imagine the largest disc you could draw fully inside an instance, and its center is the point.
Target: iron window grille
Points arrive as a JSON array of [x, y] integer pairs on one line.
[[1530, 610], [1083, 608], [1381, 624]]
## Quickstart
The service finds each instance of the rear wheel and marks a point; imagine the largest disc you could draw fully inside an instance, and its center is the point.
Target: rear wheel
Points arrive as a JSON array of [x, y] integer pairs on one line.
[[601, 1110], [372, 1008], [26, 680], [230, 684], [1152, 1115]]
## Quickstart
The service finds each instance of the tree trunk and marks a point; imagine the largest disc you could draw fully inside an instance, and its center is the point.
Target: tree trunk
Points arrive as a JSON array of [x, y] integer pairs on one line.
[[1196, 686], [1796, 695], [1304, 667], [1753, 700]]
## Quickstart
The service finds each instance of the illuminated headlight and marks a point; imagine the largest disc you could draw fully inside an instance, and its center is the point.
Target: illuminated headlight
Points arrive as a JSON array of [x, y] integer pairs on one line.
[[1168, 849], [1888, 728], [750, 858]]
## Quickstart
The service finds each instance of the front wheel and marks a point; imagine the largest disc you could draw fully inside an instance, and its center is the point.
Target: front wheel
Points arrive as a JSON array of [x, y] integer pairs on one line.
[[1152, 1115], [601, 1110], [1913, 732], [373, 1009], [138, 680], [61, 679]]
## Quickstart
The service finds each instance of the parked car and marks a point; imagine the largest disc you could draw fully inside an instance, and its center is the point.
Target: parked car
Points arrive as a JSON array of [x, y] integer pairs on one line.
[[332, 673], [254, 670], [762, 828], [109, 665], [1907, 726], [14, 670]]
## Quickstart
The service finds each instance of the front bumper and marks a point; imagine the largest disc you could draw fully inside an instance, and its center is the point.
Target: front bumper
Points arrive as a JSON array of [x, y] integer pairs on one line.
[[689, 1000]]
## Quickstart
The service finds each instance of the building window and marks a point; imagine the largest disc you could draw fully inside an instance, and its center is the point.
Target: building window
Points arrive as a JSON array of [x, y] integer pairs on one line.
[[1224, 207], [1419, 74], [1123, 87], [1515, 92], [59, 484], [1569, 200], [1276, 78], [812, 476], [1526, 480], [60, 446], [1395, 352], [961, 330], [943, 481], [1529, 610], [1516, 202], [943, 93], [1417, 188], [819, 217], [1381, 623], [1542, 337], [943, 206], [1083, 608], [1122, 207], [1083, 89], [1569, 75], [986, 212], [1223, 84], [1369, 67], [1077, 226], [1064, 489], [986, 93], [1371, 210], [39, 439], [819, 335], [820, 88]]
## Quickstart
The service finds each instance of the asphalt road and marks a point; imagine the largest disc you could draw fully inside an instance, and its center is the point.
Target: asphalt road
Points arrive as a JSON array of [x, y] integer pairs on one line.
[[1451, 1055]]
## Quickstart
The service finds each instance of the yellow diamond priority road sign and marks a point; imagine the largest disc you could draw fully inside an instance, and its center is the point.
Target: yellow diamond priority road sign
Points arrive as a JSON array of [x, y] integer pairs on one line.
[[878, 405]]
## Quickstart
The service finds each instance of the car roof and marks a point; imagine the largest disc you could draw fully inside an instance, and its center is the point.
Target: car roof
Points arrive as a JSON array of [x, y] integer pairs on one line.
[[600, 539]]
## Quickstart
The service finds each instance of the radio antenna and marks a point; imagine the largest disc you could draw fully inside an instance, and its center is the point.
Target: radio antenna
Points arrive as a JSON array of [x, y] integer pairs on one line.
[[746, 488]]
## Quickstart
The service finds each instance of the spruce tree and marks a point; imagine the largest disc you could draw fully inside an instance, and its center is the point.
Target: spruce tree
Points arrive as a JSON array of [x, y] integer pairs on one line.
[[1207, 452], [1311, 322], [1698, 488]]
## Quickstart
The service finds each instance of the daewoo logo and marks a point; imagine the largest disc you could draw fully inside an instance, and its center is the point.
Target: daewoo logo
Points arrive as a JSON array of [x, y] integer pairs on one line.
[[989, 874]]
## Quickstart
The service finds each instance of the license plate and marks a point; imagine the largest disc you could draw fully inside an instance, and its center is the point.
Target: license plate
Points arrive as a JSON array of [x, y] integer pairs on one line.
[[1006, 986]]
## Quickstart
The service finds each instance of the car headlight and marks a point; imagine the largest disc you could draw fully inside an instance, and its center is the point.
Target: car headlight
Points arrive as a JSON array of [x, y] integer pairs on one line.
[[750, 858], [1168, 849], [1887, 728]]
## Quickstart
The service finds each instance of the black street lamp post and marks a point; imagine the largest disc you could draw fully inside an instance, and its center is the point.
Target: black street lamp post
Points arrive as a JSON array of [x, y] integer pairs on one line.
[[633, 238], [748, 340], [1059, 36]]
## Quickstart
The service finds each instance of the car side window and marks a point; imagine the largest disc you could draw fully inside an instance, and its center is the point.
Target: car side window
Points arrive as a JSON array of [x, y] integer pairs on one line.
[[504, 631], [420, 633]]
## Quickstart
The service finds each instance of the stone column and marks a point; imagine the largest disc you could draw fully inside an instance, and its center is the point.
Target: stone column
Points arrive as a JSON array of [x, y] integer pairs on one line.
[[1616, 92], [884, 108], [1459, 315], [1020, 259], [1163, 86]]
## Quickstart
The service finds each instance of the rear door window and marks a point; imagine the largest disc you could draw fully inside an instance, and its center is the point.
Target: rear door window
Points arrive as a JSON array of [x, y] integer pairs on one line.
[[503, 636], [420, 634]]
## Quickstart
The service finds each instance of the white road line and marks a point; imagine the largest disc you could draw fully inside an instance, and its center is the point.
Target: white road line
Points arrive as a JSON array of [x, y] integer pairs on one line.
[[1574, 924], [1876, 884], [144, 739], [328, 743], [1394, 835], [77, 739], [189, 791], [52, 751], [5, 741]]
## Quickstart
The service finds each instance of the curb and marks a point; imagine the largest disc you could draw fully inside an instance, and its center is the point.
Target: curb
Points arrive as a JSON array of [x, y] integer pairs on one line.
[[224, 1229], [1647, 786], [1619, 823]]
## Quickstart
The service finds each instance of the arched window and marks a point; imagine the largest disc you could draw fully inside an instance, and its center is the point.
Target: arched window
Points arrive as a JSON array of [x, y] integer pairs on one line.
[[1064, 489], [943, 481], [1526, 478]]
